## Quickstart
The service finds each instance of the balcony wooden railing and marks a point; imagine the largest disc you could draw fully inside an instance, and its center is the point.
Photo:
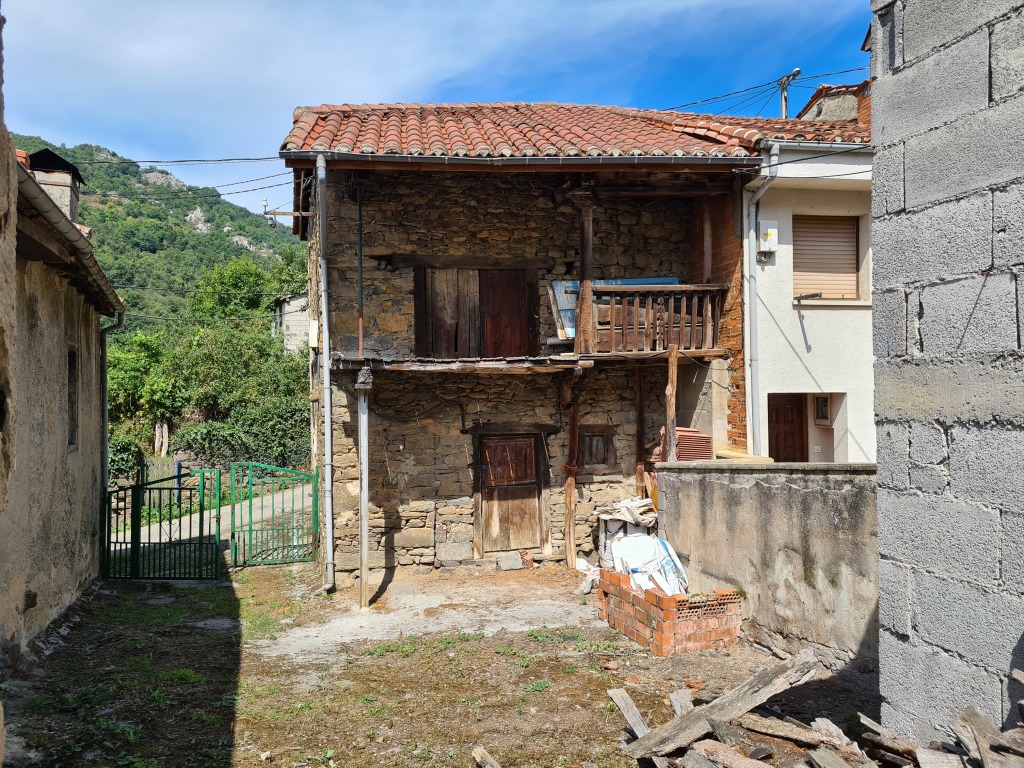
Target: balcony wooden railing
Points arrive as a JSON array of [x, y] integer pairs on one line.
[[648, 318]]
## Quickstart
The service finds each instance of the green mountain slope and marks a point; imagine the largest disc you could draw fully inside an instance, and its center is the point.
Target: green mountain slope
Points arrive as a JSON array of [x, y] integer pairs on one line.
[[152, 230]]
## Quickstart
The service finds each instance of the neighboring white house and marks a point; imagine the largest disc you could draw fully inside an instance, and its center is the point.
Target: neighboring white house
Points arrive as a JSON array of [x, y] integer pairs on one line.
[[807, 274], [292, 322]]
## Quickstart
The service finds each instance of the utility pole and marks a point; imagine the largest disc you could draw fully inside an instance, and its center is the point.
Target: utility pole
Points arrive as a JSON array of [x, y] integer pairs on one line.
[[784, 82]]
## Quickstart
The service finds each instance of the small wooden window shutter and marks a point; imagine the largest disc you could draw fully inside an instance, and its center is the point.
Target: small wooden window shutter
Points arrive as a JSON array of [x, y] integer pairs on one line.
[[825, 256]]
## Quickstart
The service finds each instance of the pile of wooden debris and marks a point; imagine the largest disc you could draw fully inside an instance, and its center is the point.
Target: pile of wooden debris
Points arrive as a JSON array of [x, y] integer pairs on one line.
[[736, 730]]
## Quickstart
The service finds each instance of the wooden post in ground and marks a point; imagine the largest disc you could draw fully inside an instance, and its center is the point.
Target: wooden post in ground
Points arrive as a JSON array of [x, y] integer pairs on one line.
[[570, 483], [641, 486], [670, 404]]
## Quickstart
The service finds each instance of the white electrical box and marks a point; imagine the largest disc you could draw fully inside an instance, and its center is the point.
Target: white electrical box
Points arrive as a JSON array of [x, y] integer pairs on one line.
[[767, 236], [314, 333]]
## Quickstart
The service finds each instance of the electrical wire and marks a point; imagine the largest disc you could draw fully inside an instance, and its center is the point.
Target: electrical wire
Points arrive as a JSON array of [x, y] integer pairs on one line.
[[191, 290], [185, 195], [214, 319], [742, 91], [209, 161]]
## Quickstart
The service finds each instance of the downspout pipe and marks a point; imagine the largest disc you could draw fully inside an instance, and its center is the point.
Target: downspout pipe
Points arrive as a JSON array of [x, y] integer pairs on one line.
[[752, 341], [325, 371]]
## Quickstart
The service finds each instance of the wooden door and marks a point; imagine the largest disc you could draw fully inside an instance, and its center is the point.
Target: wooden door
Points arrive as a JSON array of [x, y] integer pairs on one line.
[[510, 513], [787, 427], [508, 326]]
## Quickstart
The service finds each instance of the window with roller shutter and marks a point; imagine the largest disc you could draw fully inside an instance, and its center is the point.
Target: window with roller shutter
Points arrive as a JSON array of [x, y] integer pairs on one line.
[[825, 258]]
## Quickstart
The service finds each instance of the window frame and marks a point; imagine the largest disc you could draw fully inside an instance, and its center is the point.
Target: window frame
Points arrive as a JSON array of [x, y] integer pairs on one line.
[[605, 431], [863, 292]]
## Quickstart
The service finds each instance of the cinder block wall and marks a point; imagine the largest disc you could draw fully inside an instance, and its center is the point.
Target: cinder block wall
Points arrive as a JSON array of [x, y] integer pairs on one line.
[[948, 241]]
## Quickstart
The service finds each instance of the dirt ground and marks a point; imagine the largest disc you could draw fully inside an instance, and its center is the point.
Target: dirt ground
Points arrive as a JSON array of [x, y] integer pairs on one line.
[[265, 670]]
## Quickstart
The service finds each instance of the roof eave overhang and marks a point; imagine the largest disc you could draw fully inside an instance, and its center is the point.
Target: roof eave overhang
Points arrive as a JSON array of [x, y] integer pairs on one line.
[[821, 146], [302, 158]]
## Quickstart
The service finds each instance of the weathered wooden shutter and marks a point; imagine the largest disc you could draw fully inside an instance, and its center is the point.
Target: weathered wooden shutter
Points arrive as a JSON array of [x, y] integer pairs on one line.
[[508, 299], [825, 256], [448, 313]]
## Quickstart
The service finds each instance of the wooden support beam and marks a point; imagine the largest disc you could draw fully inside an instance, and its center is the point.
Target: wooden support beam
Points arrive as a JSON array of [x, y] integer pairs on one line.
[[641, 486], [706, 220], [570, 482], [670, 404], [633, 718], [585, 300]]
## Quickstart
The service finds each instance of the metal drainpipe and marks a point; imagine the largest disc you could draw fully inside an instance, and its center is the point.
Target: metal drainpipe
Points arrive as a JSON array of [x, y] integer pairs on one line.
[[752, 362], [325, 370]]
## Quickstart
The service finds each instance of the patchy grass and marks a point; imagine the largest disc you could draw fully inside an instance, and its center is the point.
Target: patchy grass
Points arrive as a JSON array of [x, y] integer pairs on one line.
[[140, 684]]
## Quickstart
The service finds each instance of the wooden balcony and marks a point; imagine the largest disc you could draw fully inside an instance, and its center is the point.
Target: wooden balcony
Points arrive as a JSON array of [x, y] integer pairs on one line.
[[629, 319]]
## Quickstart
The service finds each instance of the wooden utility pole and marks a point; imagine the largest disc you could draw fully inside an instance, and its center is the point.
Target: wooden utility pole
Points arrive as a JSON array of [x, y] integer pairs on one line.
[[670, 404]]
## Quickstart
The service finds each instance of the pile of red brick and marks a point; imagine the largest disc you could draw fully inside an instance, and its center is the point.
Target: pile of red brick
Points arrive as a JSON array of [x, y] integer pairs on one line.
[[669, 624]]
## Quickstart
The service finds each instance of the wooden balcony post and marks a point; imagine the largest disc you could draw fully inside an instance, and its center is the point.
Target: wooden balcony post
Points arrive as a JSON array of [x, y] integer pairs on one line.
[[585, 299], [640, 472], [670, 404]]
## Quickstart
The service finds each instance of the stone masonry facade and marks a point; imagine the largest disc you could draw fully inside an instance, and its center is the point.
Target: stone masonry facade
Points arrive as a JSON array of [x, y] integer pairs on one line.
[[948, 240], [423, 426]]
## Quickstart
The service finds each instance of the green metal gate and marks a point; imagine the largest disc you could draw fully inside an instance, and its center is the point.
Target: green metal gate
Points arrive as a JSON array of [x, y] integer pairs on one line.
[[274, 514], [164, 529]]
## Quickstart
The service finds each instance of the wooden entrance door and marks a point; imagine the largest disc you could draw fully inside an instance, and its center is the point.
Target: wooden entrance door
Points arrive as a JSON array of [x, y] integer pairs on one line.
[[510, 513], [787, 427]]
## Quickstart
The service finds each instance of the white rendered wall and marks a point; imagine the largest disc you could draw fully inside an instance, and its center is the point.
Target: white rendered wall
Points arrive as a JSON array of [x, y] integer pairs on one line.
[[817, 346]]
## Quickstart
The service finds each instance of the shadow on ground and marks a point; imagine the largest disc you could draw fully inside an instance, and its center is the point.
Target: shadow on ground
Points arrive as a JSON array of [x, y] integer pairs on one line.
[[137, 673]]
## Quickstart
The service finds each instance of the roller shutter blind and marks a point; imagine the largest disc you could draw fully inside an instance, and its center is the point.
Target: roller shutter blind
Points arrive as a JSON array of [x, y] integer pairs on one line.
[[825, 256]]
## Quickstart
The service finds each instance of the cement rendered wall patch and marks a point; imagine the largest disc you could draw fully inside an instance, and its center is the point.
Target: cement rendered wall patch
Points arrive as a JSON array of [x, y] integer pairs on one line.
[[799, 539]]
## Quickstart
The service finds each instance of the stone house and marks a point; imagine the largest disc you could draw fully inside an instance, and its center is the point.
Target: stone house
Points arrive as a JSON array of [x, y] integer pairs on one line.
[[53, 296], [522, 296], [948, 239]]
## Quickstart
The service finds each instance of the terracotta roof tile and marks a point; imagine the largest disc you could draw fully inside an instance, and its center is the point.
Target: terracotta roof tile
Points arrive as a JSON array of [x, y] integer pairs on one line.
[[545, 130]]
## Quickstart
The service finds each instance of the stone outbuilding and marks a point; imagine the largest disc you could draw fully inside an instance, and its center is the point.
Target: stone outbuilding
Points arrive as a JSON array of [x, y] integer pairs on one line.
[[524, 296], [53, 296]]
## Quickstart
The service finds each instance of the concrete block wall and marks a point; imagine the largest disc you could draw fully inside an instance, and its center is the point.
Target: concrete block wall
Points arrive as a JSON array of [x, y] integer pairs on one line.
[[948, 240]]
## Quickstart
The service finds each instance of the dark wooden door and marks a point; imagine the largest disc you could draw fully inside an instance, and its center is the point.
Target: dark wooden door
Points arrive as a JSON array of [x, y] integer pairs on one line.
[[508, 325], [510, 514], [787, 427]]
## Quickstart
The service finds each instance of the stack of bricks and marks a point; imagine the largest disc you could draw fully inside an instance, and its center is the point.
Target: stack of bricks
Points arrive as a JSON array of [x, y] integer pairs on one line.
[[669, 624]]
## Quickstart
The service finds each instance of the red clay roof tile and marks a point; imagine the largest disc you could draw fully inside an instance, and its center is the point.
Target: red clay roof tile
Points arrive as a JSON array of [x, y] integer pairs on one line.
[[545, 129]]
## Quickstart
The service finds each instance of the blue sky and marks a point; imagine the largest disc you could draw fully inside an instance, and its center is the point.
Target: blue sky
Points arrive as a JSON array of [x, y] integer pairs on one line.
[[219, 78]]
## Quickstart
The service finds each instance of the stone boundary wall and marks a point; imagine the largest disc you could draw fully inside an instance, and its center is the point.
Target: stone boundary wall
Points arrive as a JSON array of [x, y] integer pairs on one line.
[[797, 539], [948, 243], [669, 624]]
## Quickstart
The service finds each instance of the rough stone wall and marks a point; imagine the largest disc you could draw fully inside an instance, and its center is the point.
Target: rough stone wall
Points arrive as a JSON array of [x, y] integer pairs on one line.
[[481, 221], [49, 525], [421, 477], [948, 245], [799, 539]]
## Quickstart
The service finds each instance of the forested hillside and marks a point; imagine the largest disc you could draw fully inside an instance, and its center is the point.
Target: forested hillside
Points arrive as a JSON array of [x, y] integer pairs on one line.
[[198, 275]]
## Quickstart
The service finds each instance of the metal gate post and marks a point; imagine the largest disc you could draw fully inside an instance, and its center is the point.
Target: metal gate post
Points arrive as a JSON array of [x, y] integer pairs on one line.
[[202, 508], [135, 553]]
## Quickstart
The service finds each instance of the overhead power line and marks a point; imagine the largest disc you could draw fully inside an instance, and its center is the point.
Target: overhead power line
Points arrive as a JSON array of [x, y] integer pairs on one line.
[[207, 161], [215, 319], [762, 87], [194, 290]]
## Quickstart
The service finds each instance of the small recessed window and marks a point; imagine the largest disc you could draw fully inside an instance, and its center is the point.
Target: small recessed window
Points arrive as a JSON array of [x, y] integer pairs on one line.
[[597, 447], [72, 398]]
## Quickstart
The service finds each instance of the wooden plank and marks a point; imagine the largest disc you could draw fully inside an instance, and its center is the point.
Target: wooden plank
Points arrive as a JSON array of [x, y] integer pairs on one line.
[[719, 302], [695, 760], [420, 317], [640, 443], [483, 759], [933, 758], [886, 739], [681, 700], [633, 718], [705, 339], [649, 329], [692, 341], [754, 691], [724, 755], [670, 404], [782, 730], [826, 758], [1010, 741], [636, 323]]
